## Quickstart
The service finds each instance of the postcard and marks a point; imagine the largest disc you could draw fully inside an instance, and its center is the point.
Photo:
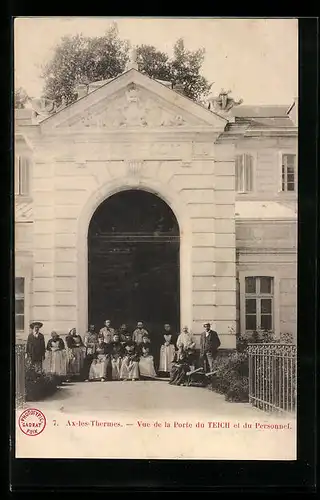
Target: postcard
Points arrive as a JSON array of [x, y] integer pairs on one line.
[[155, 175]]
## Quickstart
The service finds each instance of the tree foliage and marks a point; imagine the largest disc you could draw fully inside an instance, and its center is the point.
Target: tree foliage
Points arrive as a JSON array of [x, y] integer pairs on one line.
[[20, 98], [79, 59], [186, 66], [153, 62], [183, 68]]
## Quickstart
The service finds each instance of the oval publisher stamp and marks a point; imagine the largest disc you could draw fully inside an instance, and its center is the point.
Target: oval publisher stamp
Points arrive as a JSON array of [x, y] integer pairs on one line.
[[32, 422]]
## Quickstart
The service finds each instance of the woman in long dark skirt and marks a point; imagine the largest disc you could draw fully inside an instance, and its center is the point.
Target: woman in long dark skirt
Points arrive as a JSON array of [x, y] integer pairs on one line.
[[75, 354], [90, 342], [180, 368]]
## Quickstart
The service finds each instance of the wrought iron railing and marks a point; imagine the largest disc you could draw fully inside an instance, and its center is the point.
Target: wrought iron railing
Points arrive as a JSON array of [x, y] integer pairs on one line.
[[20, 386], [273, 376]]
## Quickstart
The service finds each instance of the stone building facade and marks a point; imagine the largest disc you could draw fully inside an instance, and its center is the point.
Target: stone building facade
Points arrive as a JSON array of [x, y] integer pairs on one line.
[[229, 177]]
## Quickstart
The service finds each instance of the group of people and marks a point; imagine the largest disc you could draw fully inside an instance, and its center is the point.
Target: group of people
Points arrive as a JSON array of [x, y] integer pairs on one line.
[[121, 355]]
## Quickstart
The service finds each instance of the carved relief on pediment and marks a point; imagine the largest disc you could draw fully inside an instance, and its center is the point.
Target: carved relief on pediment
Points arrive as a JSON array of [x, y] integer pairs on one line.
[[133, 108]]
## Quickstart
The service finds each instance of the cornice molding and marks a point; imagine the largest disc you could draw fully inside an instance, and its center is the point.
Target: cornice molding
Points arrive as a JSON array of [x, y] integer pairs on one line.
[[265, 250], [274, 132], [269, 220]]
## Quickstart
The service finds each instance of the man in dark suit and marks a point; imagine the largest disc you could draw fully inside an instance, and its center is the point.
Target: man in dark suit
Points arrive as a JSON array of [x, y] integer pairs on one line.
[[36, 348], [209, 345]]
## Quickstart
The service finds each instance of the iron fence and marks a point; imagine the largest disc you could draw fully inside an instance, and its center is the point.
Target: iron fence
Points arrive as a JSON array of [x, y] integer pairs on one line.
[[272, 376], [20, 351]]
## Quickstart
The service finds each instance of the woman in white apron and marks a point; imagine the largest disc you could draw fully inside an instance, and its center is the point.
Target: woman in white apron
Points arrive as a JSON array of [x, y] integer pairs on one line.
[[167, 351], [99, 365], [55, 362], [130, 364], [146, 363]]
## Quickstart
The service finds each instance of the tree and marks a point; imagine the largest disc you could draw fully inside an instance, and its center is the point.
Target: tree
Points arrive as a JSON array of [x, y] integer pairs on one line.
[[153, 62], [78, 59], [20, 98], [185, 68]]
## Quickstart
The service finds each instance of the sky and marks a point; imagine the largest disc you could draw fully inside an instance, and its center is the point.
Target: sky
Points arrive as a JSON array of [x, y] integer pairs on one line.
[[257, 59]]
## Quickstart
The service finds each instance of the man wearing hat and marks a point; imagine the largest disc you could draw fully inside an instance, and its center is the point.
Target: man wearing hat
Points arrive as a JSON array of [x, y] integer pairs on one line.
[[36, 348], [209, 344]]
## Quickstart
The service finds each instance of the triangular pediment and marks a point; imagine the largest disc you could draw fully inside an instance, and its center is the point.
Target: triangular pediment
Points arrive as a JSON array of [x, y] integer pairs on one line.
[[133, 101]]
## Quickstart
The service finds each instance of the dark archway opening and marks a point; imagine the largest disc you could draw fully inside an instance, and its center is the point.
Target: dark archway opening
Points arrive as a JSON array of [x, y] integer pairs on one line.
[[134, 263]]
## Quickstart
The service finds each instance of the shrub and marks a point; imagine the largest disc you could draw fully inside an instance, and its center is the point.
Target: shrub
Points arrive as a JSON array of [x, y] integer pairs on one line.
[[263, 337], [232, 371], [238, 390], [241, 385], [287, 338], [39, 385], [231, 377], [254, 338]]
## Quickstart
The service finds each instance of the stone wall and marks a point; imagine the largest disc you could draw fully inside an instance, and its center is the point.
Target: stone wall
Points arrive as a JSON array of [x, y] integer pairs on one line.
[[203, 189], [270, 249], [266, 153], [82, 155]]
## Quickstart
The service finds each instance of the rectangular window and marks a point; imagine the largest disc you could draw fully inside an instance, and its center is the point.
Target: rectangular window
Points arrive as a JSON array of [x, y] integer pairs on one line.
[[19, 303], [244, 173], [288, 172], [259, 295], [21, 175]]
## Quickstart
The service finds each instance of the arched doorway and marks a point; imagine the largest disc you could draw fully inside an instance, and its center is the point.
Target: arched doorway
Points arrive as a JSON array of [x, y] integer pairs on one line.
[[134, 262]]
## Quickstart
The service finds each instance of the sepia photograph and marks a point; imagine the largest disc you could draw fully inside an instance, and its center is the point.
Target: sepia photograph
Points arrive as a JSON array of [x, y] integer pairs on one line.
[[155, 226]]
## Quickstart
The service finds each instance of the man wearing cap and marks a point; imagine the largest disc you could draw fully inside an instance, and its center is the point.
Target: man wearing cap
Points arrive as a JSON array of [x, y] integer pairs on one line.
[[209, 344], [36, 348], [107, 331]]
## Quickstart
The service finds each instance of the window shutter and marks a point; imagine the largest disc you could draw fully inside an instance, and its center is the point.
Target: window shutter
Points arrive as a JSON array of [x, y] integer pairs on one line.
[[239, 173], [280, 165], [248, 172], [25, 176], [21, 175], [19, 303], [16, 174]]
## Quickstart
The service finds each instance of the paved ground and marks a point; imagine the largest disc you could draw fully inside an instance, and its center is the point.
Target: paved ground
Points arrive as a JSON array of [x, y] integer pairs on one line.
[[144, 396], [137, 408]]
